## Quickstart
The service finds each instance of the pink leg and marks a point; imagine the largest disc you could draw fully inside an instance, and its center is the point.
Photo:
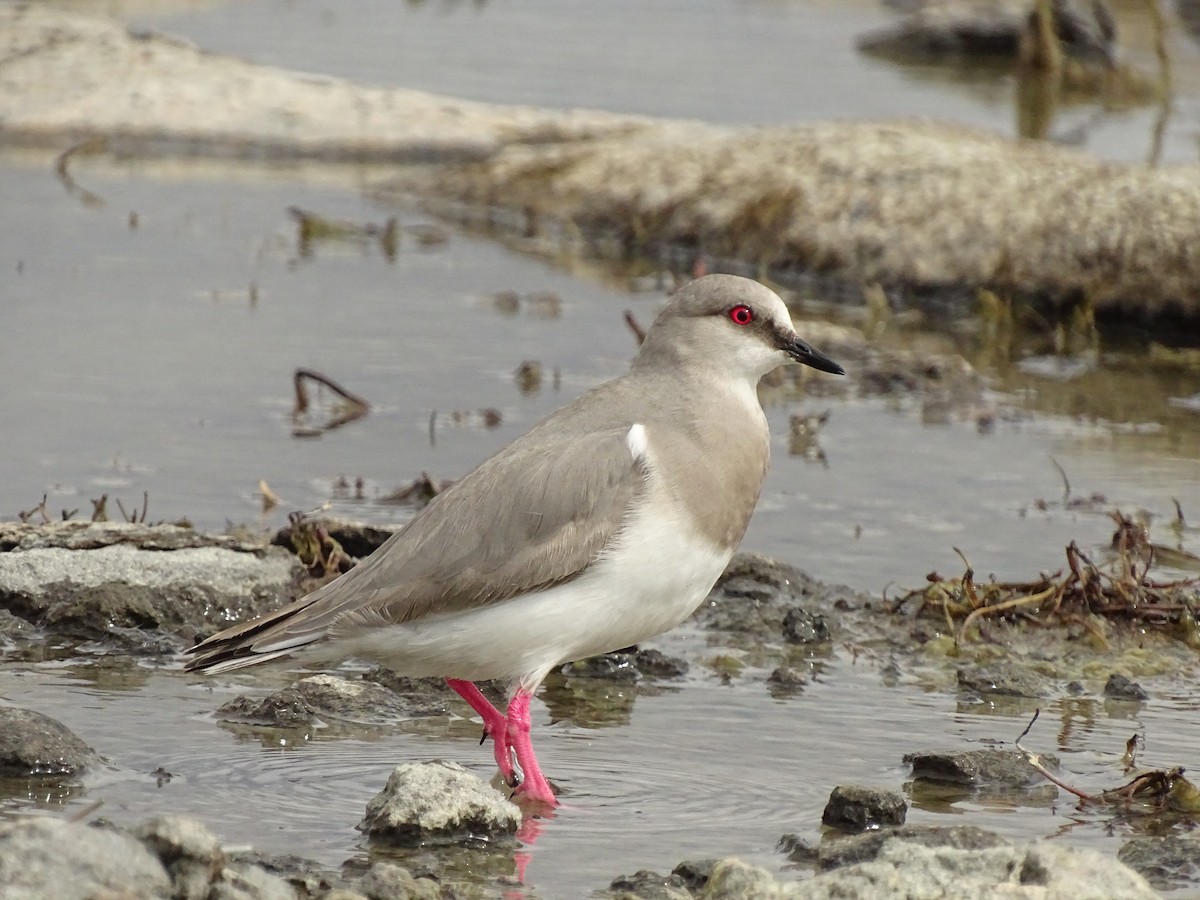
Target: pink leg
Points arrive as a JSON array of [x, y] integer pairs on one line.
[[534, 786], [495, 726]]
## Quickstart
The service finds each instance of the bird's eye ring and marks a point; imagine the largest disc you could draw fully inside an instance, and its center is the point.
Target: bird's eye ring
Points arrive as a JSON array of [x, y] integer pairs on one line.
[[741, 315]]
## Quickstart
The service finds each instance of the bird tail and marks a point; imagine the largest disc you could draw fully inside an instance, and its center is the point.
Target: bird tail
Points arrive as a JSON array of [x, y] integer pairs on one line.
[[258, 641]]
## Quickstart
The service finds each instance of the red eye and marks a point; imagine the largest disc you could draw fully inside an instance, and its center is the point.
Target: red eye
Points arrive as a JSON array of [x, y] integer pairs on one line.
[[741, 315]]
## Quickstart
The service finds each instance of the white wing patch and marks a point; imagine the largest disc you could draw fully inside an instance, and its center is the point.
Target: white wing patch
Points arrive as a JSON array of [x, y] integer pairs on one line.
[[637, 442]]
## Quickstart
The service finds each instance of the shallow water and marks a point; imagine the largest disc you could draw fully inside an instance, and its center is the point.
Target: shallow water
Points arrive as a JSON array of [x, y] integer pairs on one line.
[[157, 355]]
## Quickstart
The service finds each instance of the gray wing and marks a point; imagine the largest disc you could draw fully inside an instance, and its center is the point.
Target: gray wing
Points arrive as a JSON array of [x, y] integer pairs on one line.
[[534, 515]]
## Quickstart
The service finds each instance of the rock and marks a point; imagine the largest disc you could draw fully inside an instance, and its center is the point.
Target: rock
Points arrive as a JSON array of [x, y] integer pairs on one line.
[[801, 627], [106, 582], [733, 879], [857, 848], [305, 876], [32, 745], [388, 881], [628, 665], [328, 699], [13, 626], [978, 768], [49, 857], [188, 851], [695, 873], [1040, 871], [1118, 687], [1170, 862], [785, 680], [755, 594], [241, 881], [438, 800], [646, 885], [923, 208], [71, 73], [853, 808], [938, 28], [421, 696], [1000, 682]]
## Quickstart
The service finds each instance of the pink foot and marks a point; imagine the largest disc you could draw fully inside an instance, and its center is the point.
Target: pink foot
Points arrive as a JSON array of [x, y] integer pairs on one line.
[[495, 726], [534, 787]]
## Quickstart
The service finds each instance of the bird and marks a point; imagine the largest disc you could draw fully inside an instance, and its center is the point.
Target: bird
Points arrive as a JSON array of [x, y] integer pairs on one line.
[[604, 525]]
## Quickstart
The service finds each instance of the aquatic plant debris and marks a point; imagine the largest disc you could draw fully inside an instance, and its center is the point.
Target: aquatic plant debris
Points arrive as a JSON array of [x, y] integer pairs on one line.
[[1158, 790], [348, 407], [1119, 589]]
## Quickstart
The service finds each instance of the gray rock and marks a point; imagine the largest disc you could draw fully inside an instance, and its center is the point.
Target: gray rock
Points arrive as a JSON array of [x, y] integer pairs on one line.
[[438, 800], [755, 594], [647, 885], [1000, 682], [1118, 687], [388, 881], [628, 665], [694, 873], [845, 851], [803, 627], [785, 680], [853, 808], [32, 744], [188, 851], [47, 857], [305, 876], [1045, 871], [939, 28], [1169, 863], [242, 881], [978, 768], [327, 699], [13, 626], [91, 581]]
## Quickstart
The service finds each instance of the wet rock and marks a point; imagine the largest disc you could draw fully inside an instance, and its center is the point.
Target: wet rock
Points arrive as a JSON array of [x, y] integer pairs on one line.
[[32, 744], [421, 696], [938, 28], [798, 849], [388, 881], [1044, 870], [13, 626], [188, 851], [48, 857], [1000, 682], [694, 873], [755, 594], [852, 849], [785, 680], [306, 877], [646, 885], [628, 665], [240, 881], [107, 581], [733, 879], [978, 768], [853, 808], [1118, 687], [802, 627], [1169, 863], [435, 801], [328, 699]]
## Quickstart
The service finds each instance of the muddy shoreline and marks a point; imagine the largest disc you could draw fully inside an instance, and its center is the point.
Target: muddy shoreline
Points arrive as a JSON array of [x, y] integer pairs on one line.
[[765, 623]]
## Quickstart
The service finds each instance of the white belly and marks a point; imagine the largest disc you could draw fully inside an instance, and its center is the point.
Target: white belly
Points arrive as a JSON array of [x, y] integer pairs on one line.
[[649, 582]]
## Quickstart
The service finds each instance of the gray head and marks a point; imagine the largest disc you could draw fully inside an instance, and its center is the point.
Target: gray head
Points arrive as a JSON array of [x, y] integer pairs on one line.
[[731, 324]]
